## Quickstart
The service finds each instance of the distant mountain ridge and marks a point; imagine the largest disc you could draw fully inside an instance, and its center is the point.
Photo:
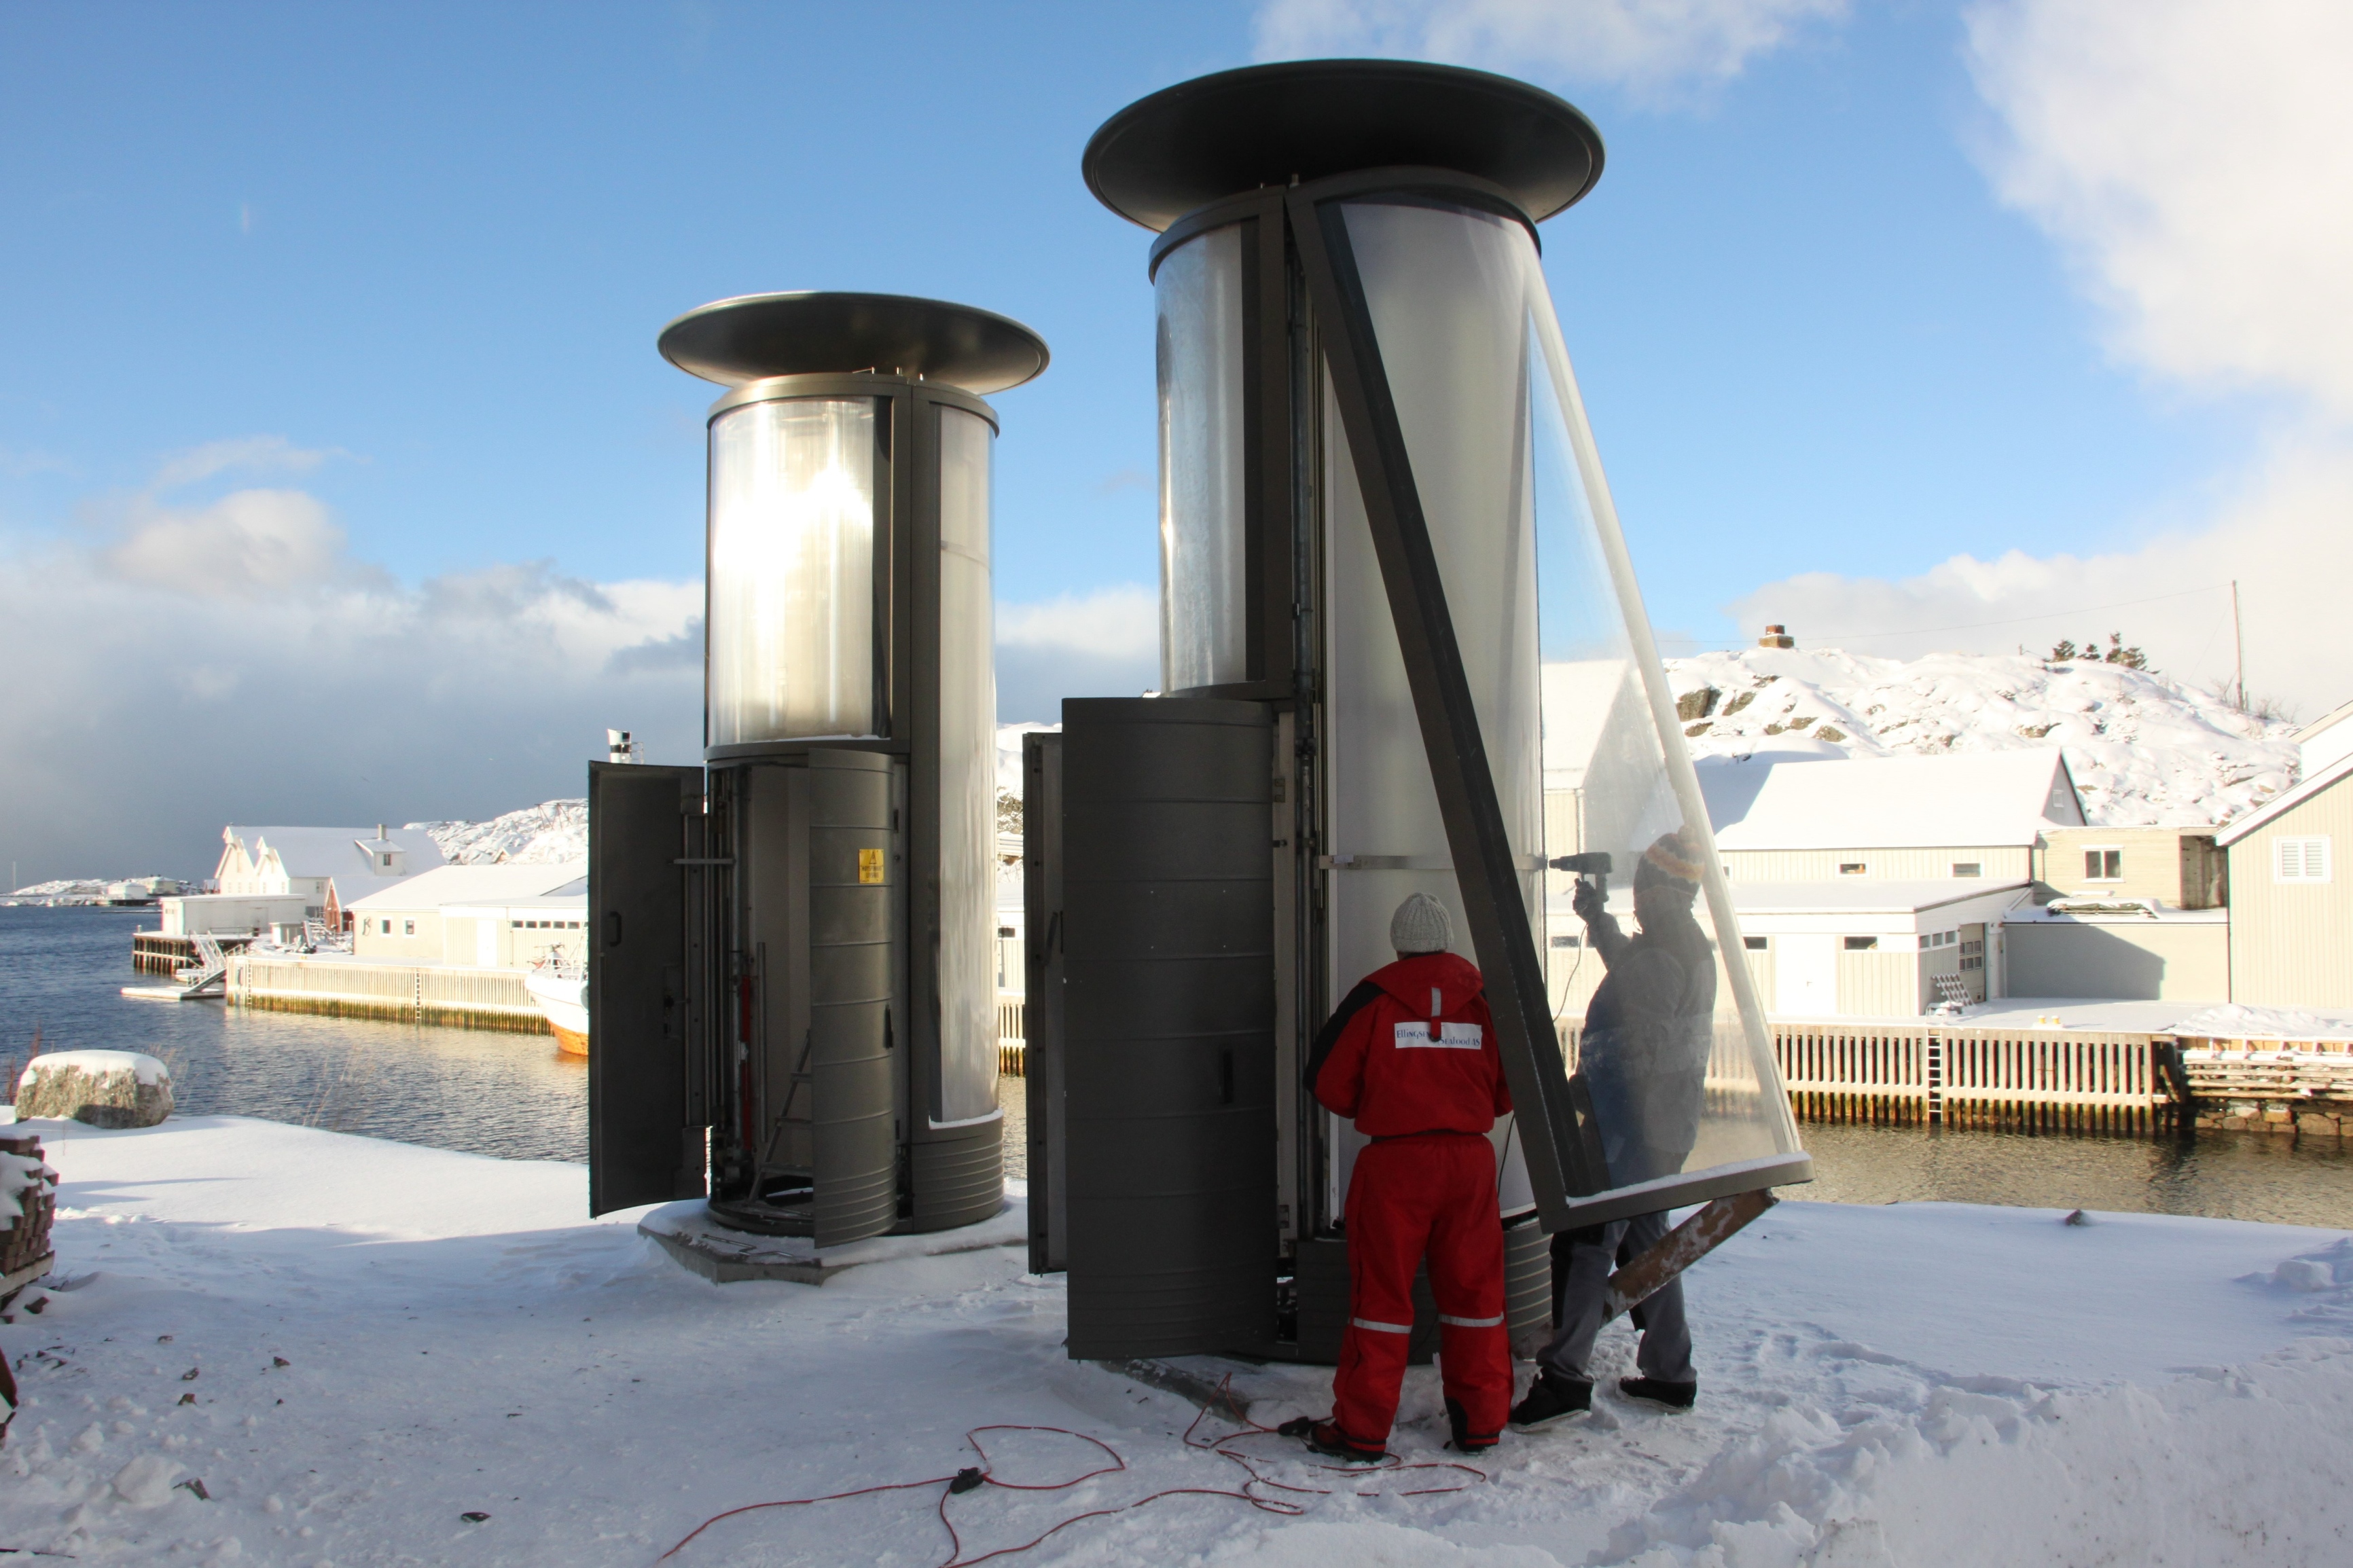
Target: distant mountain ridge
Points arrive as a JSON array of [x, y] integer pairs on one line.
[[2144, 749]]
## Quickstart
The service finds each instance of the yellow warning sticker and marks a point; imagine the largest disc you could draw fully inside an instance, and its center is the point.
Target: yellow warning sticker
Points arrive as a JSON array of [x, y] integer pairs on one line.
[[869, 865]]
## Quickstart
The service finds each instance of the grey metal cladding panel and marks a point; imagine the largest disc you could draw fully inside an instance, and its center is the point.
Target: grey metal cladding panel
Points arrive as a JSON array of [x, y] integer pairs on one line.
[[958, 1176], [1041, 896], [1168, 1026], [854, 1130], [1322, 1284], [639, 827], [1166, 840]]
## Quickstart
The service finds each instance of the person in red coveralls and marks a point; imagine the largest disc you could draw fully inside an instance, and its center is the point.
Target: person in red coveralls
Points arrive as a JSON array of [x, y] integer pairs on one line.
[[1410, 1056]]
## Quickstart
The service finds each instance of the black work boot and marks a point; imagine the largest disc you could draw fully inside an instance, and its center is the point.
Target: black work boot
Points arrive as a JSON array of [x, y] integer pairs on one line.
[[1659, 1392], [1552, 1398], [1325, 1438], [1465, 1440]]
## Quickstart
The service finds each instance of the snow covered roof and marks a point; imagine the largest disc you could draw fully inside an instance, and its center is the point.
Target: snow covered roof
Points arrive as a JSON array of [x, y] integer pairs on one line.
[[2286, 802], [1770, 801], [1865, 895], [2326, 739], [345, 853], [502, 884]]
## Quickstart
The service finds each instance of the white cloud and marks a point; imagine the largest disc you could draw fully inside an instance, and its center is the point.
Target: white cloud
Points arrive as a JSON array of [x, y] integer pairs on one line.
[[1118, 622], [253, 454], [2189, 159], [1105, 643], [1645, 45], [232, 661], [2284, 539], [246, 544], [2193, 158]]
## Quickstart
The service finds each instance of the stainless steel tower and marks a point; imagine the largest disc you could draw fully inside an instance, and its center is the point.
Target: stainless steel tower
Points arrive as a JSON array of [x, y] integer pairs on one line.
[[1368, 424], [792, 985]]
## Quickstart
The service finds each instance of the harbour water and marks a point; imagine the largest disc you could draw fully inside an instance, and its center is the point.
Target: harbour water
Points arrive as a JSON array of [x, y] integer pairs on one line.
[[516, 1097]]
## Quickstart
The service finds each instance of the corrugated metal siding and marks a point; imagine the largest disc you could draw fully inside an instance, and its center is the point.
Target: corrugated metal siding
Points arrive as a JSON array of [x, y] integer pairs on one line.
[[2143, 960], [1998, 863], [2292, 942], [1878, 984]]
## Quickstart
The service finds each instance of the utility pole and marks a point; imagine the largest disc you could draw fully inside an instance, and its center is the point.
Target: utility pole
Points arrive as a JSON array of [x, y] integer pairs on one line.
[[2239, 643]]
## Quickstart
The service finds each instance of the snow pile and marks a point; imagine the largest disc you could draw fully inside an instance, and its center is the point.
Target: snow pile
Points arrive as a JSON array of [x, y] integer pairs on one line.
[[2145, 750], [547, 834], [63, 890], [145, 1069], [2234, 1022], [383, 1342]]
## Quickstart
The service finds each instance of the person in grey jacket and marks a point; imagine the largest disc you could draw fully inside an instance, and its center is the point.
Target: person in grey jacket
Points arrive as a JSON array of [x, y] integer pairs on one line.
[[1643, 1056]]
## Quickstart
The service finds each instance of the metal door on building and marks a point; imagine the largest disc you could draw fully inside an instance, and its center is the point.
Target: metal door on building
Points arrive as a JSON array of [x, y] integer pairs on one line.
[[1805, 975]]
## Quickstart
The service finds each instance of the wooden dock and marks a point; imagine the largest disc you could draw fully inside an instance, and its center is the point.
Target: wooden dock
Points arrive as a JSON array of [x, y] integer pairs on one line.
[[402, 992], [153, 952]]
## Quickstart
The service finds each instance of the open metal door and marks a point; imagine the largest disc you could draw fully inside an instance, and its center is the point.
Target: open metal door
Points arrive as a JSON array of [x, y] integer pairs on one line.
[[1041, 1050], [646, 946]]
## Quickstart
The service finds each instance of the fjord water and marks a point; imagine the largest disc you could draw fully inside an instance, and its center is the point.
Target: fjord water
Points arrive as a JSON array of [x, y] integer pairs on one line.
[[516, 1097], [483, 1092]]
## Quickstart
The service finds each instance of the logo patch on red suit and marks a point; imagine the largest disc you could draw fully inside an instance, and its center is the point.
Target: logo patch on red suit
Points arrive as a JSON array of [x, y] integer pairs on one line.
[[1450, 1037]]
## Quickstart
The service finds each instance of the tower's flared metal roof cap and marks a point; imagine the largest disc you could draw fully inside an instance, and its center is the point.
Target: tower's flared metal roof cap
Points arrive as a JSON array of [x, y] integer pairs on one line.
[[753, 336], [1221, 135]]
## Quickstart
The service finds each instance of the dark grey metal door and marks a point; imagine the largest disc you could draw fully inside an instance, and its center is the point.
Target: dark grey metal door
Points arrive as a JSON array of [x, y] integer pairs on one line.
[[1168, 1026], [1041, 1010], [646, 854], [845, 809]]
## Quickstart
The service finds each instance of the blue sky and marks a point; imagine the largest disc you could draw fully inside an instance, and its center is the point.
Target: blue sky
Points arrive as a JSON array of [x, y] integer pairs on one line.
[[369, 293]]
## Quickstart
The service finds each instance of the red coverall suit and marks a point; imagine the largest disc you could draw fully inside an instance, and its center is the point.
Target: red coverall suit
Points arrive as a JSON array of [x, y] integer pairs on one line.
[[1410, 1056]]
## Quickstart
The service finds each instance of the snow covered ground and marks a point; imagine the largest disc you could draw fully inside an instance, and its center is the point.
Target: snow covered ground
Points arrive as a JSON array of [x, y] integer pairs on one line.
[[2144, 748], [380, 1340]]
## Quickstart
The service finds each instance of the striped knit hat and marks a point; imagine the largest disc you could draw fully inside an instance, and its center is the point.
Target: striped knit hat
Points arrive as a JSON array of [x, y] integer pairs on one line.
[[1672, 862]]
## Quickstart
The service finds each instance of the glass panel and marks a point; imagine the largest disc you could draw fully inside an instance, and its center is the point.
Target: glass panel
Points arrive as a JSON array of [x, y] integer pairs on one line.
[[1203, 636], [1678, 1060], [791, 637], [967, 961], [1668, 1040], [1444, 288]]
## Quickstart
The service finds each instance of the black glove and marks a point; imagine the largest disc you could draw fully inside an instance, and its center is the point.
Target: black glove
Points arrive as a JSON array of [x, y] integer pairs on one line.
[[1585, 901]]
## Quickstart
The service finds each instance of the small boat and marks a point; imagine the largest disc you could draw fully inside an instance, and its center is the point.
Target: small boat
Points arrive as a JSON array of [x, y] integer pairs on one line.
[[561, 989]]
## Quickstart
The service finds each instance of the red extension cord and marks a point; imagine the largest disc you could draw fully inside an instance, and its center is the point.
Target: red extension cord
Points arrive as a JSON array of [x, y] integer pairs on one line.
[[971, 1479]]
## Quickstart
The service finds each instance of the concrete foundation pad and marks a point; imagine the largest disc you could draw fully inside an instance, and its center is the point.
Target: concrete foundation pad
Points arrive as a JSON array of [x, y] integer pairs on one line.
[[688, 1233]]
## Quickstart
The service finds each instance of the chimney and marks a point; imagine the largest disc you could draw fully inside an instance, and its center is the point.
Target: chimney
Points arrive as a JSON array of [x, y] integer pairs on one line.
[[1777, 636], [379, 833]]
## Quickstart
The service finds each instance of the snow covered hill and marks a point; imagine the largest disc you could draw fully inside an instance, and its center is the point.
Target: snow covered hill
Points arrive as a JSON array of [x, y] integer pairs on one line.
[[2145, 749], [545, 834]]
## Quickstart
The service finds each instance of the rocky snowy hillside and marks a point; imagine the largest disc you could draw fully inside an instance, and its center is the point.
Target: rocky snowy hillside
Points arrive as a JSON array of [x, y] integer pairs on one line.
[[550, 832], [2144, 748]]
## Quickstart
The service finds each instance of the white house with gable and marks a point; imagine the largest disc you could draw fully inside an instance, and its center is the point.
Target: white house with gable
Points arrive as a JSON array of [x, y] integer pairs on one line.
[[509, 915], [282, 877]]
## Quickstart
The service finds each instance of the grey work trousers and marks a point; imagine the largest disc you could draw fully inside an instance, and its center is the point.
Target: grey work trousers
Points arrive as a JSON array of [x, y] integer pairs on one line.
[[1581, 1265]]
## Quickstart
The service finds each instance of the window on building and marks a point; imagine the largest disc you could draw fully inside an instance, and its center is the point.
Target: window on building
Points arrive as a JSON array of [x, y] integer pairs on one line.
[[385, 858], [386, 926], [515, 924], [1968, 867], [408, 928], [1564, 942], [1860, 943], [1752, 943], [2300, 860], [2104, 865], [1851, 868]]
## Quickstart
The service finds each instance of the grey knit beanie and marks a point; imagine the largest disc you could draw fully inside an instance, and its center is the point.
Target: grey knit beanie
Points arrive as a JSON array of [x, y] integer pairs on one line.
[[1421, 925]]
